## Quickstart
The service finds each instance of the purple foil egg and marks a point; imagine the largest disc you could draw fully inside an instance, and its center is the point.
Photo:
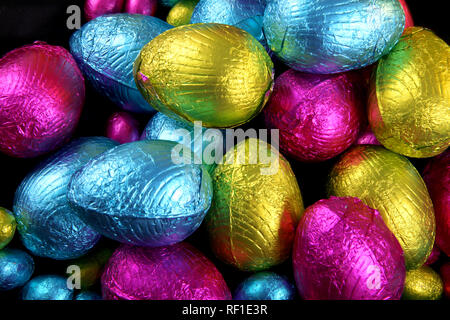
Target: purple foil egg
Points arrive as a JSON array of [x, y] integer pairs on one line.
[[145, 7], [344, 251], [367, 137], [122, 127], [96, 8], [41, 98], [319, 116], [177, 272]]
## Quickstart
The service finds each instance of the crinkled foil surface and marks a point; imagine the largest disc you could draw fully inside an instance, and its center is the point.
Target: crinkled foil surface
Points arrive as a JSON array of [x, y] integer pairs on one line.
[[96, 8], [265, 286], [47, 287], [7, 227], [122, 127], [16, 268], [145, 7], [423, 284]]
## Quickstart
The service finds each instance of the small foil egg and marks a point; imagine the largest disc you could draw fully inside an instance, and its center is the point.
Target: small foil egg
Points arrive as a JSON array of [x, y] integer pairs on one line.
[[41, 98], [47, 224], [409, 22], [7, 227], [318, 36], [105, 49], [423, 284], [177, 272], [344, 251], [47, 287], [367, 137], [409, 101], [445, 276], [389, 183], [122, 127], [139, 193], [265, 286], [181, 13], [318, 116], [145, 7], [88, 295], [16, 268], [220, 75], [96, 8], [256, 207]]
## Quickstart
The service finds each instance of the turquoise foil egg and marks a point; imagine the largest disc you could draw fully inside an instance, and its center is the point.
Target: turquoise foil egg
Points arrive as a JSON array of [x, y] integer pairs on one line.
[[47, 287], [265, 286], [16, 268]]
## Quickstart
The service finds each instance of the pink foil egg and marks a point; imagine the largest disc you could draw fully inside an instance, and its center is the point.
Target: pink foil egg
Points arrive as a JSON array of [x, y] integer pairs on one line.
[[145, 7], [344, 251], [41, 97], [367, 137], [176, 272], [96, 8], [319, 116], [409, 22], [122, 127]]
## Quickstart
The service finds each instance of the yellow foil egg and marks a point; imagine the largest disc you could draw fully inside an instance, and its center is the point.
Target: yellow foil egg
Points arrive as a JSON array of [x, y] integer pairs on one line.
[[7, 227], [409, 103], [389, 183], [208, 72], [181, 13], [256, 207], [423, 284]]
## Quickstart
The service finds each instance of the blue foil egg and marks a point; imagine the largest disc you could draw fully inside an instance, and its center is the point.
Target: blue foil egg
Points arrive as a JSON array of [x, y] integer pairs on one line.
[[47, 225], [265, 286], [16, 268], [137, 194], [105, 49], [88, 295], [47, 287], [330, 36]]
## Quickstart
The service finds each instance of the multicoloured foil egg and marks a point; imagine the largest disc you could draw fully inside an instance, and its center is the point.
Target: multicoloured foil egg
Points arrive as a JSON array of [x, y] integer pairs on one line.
[[445, 276], [318, 116], [344, 251], [389, 183], [177, 272], [409, 22], [319, 36], [105, 49], [96, 8], [409, 102], [16, 268], [145, 7], [122, 127], [88, 295], [7, 227], [256, 207], [41, 98], [220, 75], [47, 224], [136, 193], [47, 287], [265, 286], [181, 13], [422, 284]]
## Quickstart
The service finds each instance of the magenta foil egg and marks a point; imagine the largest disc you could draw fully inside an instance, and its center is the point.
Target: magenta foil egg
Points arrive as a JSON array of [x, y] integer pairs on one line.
[[176, 272], [41, 97], [96, 8], [122, 127], [145, 7], [318, 116], [344, 251], [367, 137]]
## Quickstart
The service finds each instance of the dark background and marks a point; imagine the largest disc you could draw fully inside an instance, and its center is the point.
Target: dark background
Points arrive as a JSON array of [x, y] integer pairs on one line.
[[23, 22]]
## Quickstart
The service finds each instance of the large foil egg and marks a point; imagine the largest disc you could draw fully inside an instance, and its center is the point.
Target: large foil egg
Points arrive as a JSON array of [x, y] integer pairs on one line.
[[177, 272], [7, 227], [220, 75], [256, 207], [47, 287], [96, 8], [145, 7], [181, 13], [105, 49], [344, 251], [139, 193], [389, 183], [122, 127], [16, 268], [409, 102], [330, 36], [423, 284], [47, 224], [265, 286], [41, 98], [318, 116]]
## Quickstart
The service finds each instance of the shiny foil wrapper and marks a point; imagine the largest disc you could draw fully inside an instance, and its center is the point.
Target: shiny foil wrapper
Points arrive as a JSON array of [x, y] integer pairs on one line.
[[423, 284], [16, 268], [265, 286], [344, 251], [7, 227], [367, 137], [409, 22], [88, 295], [181, 13], [105, 49], [409, 103], [47, 224], [96, 8], [177, 272], [41, 98], [445, 276], [254, 213], [319, 36], [136, 194], [220, 75], [318, 116], [145, 7], [122, 127], [437, 178], [389, 183], [47, 287]]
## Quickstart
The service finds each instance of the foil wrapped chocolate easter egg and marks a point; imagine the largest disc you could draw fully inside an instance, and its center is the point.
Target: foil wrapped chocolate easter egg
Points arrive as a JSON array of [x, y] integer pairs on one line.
[[409, 22], [423, 284], [122, 127], [265, 286], [256, 207], [16, 268], [140, 193], [105, 49], [47, 287], [434, 256], [318, 116], [181, 13], [389, 183], [344, 251], [96, 8], [318, 36], [177, 272], [145, 7], [7, 227], [88, 295], [47, 224], [41, 98], [220, 75], [409, 102], [168, 3]]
